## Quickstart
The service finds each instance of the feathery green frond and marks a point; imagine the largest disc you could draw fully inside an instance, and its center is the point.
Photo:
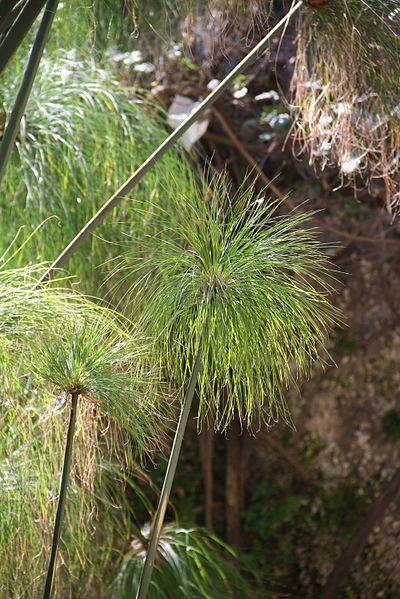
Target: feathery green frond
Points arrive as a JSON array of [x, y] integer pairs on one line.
[[259, 283], [51, 336], [345, 90], [98, 359], [63, 338]]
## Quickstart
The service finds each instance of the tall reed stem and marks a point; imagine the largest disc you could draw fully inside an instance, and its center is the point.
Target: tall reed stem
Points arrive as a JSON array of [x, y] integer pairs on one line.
[[18, 29], [24, 91], [100, 215], [61, 496], [169, 477]]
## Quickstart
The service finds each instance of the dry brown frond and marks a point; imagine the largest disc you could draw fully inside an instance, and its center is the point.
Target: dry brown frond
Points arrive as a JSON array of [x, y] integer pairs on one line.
[[217, 25], [344, 93]]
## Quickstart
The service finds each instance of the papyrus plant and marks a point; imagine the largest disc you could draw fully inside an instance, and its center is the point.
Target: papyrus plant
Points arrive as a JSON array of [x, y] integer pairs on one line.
[[95, 359], [236, 297], [253, 283], [56, 337]]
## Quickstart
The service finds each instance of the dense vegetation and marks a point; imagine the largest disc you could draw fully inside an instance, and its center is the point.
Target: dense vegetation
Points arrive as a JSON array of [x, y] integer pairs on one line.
[[196, 276]]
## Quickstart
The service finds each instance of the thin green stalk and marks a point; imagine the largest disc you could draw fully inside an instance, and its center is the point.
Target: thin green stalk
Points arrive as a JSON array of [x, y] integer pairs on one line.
[[8, 13], [169, 477], [18, 31], [61, 496], [24, 91], [98, 218]]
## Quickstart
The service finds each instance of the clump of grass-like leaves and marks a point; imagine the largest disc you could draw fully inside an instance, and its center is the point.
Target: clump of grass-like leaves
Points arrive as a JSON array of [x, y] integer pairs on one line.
[[97, 512], [344, 90], [255, 283], [190, 563], [94, 359], [80, 136]]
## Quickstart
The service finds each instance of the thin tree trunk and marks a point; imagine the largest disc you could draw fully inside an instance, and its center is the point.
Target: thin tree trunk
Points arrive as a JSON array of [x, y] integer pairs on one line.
[[207, 454], [235, 483], [356, 544]]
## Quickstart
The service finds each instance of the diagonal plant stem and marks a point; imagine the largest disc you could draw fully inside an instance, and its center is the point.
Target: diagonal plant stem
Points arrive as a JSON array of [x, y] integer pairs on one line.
[[9, 11], [169, 475], [24, 91], [62, 495], [18, 30], [101, 214]]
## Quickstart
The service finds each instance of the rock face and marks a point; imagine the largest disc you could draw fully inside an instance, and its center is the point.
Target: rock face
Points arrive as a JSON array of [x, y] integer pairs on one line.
[[346, 414]]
